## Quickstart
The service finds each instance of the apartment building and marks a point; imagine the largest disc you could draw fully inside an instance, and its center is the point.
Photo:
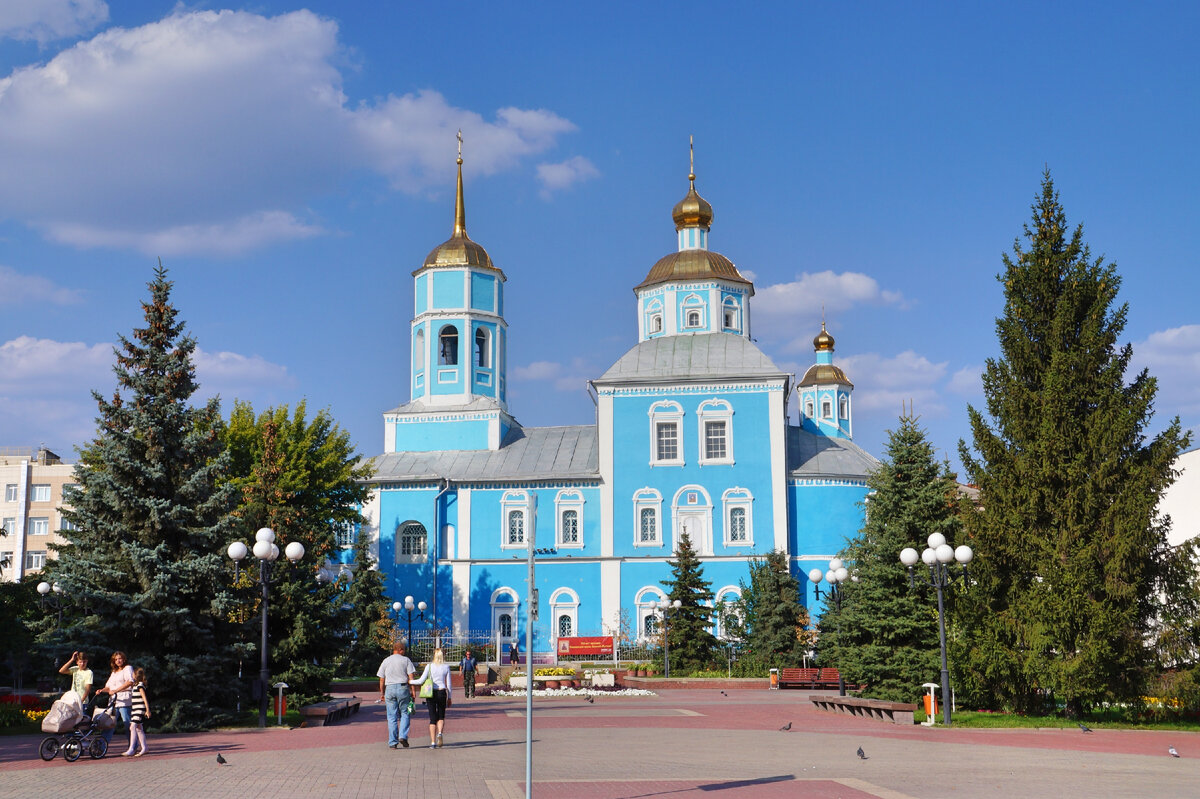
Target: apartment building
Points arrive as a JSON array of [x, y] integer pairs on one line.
[[32, 482]]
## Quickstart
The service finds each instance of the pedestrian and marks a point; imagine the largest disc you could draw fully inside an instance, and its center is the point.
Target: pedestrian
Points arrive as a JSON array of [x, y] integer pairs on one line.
[[467, 668], [139, 712], [81, 675], [514, 654], [438, 671], [394, 674], [118, 688]]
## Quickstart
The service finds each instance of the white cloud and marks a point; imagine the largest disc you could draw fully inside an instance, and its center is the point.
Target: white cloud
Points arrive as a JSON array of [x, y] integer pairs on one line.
[[563, 377], [211, 131], [967, 382], [19, 289], [563, 175], [882, 383], [1173, 357], [812, 291], [222, 238], [47, 20], [46, 386]]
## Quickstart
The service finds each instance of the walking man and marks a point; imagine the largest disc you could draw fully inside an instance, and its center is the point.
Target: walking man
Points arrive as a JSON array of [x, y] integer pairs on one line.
[[394, 674], [467, 668]]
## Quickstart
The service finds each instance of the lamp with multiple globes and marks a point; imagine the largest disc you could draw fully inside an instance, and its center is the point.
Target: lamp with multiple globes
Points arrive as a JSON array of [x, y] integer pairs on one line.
[[409, 606], [835, 576]]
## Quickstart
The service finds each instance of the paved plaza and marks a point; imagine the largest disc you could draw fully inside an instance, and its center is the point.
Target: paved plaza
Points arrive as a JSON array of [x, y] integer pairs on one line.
[[680, 744]]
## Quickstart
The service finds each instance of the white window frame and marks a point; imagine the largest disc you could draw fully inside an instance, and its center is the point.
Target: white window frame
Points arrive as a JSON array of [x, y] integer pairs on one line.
[[9, 524], [666, 412], [731, 315], [10, 492], [693, 303], [563, 602], [39, 492], [38, 525], [521, 502], [741, 499], [569, 499], [826, 408], [419, 350], [843, 407], [35, 559], [646, 601], [505, 600], [66, 524], [654, 317], [647, 499], [715, 410], [809, 408], [411, 557], [485, 351], [682, 508], [728, 594]]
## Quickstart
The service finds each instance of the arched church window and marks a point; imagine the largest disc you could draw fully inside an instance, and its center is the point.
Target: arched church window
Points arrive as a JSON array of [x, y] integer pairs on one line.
[[448, 346], [413, 539], [564, 626], [419, 350], [808, 408], [844, 408], [656, 323], [505, 625], [480, 351], [826, 409], [693, 319]]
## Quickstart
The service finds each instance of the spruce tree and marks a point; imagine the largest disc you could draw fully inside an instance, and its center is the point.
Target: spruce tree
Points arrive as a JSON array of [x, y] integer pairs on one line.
[[889, 629], [1071, 556], [300, 478], [691, 641], [369, 622], [769, 618], [150, 521]]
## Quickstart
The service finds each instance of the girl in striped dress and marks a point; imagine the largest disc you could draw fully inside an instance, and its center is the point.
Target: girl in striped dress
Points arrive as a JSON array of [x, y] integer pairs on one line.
[[138, 715]]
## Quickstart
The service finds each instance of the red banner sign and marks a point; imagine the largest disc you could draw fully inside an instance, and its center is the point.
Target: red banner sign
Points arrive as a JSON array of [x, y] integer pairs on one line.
[[596, 645]]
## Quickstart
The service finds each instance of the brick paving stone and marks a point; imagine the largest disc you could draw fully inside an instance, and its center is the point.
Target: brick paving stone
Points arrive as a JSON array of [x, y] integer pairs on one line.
[[682, 743]]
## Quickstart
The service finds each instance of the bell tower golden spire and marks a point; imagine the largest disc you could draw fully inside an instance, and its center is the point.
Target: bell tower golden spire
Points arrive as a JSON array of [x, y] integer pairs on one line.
[[460, 209]]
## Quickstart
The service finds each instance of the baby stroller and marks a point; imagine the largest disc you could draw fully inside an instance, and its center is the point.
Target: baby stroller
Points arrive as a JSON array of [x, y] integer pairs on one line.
[[75, 731]]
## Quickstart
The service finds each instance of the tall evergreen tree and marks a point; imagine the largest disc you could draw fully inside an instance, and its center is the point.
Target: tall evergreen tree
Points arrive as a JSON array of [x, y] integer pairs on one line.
[[1071, 556], [768, 617], [690, 638], [369, 623], [889, 630], [150, 520], [300, 478]]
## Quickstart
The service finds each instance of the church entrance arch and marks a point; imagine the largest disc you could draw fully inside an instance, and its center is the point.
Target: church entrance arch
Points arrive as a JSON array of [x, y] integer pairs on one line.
[[692, 514], [504, 620]]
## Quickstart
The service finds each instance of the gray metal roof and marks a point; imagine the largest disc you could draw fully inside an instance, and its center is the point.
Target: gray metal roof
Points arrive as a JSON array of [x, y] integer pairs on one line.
[[475, 404], [535, 453], [812, 455], [703, 356]]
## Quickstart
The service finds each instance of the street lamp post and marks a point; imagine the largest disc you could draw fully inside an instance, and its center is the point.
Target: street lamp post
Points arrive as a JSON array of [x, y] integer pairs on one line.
[[835, 576], [267, 553], [938, 556], [51, 595], [665, 607], [408, 606]]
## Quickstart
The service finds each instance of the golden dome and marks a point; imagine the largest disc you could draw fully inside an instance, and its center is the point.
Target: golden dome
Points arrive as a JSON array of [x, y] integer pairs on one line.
[[693, 210], [459, 250], [823, 340], [820, 374], [692, 265]]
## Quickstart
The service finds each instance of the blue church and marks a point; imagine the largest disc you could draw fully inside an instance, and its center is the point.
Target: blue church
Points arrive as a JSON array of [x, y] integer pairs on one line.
[[693, 433]]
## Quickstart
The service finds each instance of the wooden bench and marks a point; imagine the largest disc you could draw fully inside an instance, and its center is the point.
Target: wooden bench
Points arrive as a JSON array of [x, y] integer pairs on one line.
[[803, 678], [329, 712], [895, 712]]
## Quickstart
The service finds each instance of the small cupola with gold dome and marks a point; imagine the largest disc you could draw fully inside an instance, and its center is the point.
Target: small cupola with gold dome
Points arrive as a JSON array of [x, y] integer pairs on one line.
[[459, 336], [824, 393], [693, 290]]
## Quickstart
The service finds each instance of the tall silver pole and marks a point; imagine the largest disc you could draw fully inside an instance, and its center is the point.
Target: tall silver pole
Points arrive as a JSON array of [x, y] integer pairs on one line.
[[529, 676]]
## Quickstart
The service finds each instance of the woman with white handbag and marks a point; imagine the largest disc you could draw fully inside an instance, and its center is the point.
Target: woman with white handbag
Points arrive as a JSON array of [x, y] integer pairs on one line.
[[435, 690]]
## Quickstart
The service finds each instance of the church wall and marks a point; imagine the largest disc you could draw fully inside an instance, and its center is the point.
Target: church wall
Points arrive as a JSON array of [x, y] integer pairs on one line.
[[750, 470], [824, 514], [433, 436], [448, 289], [483, 292], [489, 524], [421, 294]]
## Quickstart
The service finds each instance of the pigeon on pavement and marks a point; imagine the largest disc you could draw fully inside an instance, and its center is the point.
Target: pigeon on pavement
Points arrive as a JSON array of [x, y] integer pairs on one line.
[[591, 700], [786, 727], [861, 754], [1171, 749], [220, 760], [1084, 727]]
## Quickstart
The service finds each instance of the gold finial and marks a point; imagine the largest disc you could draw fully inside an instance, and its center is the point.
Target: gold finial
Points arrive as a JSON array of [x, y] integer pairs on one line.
[[460, 209], [692, 160]]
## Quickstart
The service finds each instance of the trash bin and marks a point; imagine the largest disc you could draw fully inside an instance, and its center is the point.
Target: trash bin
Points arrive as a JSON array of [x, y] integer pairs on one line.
[[930, 705], [279, 703], [774, 679]]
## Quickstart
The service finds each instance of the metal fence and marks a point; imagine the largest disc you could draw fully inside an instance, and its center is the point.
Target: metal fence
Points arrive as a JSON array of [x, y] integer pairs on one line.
[[483, 645]]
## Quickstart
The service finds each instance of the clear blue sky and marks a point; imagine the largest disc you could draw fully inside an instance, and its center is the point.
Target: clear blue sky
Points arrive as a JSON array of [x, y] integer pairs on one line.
[[293, 164]]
